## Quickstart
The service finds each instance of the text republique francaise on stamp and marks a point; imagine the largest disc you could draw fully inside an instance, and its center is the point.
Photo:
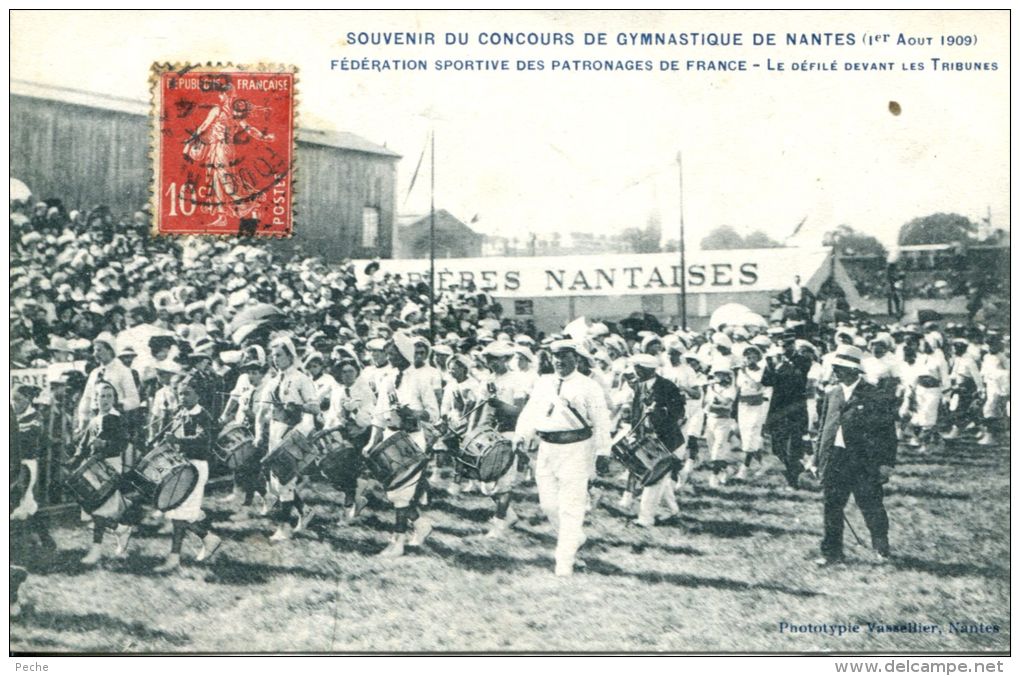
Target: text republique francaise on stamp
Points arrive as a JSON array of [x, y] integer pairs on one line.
[[223, 149]]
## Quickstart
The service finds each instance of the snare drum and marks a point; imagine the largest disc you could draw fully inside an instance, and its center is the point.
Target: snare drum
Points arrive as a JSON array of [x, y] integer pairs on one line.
[[333, 454], [485, 454], [645, 457], [394, 461], [165, 477], [93, 482], [295, 455], [235, 446]]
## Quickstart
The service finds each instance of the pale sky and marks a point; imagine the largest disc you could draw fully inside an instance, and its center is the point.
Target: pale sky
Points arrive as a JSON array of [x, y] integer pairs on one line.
[[596, 152]]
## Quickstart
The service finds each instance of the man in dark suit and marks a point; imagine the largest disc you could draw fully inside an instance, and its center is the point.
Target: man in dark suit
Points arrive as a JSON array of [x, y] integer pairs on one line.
[[854, 453], [663, 403], [787, 420]]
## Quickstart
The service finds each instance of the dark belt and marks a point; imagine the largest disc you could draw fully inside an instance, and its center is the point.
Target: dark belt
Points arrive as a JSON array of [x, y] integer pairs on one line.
[[566, 437]]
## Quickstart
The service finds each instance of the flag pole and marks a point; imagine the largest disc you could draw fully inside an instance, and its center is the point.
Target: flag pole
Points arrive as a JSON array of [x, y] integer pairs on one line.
[[432, 241], [683, 251]]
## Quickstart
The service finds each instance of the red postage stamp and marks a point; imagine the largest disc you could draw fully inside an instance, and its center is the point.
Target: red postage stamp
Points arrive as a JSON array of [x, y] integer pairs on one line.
[[223, 149]]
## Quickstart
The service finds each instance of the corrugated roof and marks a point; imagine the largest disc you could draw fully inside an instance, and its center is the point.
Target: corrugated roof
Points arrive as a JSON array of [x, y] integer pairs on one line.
[[78, 97], [343, 139], [332, 139]]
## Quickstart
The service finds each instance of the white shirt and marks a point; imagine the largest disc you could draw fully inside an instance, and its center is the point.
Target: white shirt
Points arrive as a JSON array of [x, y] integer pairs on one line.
[[415, 392], [294, 386], [848, 391], [547, 410], [374, 376], [356, 401], [458, 398]]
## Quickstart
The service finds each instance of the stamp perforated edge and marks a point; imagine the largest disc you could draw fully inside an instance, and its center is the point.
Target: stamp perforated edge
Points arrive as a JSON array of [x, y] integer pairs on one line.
[[155, 105]]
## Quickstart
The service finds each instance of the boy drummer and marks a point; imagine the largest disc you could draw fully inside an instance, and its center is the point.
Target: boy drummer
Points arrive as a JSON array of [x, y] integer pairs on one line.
[[192, 435], [406, 399], [504, 395]]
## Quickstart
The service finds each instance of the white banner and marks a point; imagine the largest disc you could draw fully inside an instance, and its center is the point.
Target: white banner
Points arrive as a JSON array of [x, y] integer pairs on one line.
[[730, 271], [41, 377]]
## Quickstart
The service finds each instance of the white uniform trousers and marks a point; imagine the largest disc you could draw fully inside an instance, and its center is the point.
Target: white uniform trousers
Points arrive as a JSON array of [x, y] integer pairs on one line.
[[561, 473], [662, 492], [750, 422]]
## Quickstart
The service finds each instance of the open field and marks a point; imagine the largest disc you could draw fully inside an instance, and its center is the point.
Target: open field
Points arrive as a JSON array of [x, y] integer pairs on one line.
[[720, 577]]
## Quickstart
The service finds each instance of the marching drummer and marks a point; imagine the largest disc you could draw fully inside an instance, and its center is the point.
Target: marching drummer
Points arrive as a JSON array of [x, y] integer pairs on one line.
[[406, 399], [459, 398], [504, 394], [378, 367], [351, 409], [657, 408], [164, 402], [720, 423], [105, 437], [248, 403], [325, 383], [192, 434], [752, 407], [295, 404]]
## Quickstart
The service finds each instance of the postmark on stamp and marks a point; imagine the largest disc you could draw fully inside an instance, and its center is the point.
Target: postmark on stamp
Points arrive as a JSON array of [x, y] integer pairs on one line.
[[223, 149]]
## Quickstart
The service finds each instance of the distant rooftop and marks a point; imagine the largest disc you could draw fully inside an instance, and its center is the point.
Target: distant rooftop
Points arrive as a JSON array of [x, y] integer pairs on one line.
[[320, 137]]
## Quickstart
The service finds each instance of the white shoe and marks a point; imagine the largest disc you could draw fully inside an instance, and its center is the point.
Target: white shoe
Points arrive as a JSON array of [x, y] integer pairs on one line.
[[210, 544], [741, 474], [986, 439], [953, 433], [282, 533], [644, 524], [626, 501], [567, 568], [266, 506], [304, 518], [123, 534], [94, 555], [422, 528], [394, 549], [85, 516], [498, 530], [355, 509], [713, 481], [511, 516], [172, 563], [453, 489]]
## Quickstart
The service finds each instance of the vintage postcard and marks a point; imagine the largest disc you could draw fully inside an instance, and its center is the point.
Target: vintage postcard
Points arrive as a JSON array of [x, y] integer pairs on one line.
[[512, 332]]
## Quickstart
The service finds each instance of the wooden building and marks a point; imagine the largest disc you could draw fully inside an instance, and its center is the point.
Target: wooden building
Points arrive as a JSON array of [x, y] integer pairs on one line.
[[89, 149]]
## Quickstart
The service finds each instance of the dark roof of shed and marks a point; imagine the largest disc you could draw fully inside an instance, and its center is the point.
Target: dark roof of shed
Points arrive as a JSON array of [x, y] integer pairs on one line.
[[345, 140], [444, 219]]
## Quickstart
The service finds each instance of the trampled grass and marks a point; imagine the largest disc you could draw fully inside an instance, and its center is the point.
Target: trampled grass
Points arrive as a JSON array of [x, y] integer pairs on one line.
[[722, 576]]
